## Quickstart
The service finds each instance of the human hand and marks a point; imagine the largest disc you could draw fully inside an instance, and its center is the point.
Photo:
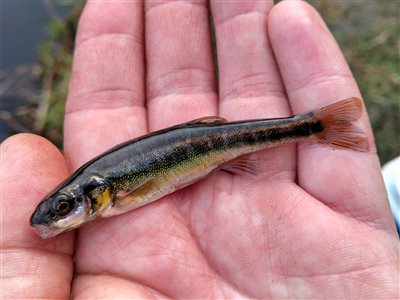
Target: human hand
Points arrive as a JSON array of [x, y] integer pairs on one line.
[[313, 223]]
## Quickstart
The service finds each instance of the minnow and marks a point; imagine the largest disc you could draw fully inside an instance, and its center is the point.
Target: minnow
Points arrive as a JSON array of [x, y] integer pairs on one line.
[[147, 168]]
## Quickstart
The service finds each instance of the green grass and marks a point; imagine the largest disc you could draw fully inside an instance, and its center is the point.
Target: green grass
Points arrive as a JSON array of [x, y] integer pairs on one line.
[[55, 61]]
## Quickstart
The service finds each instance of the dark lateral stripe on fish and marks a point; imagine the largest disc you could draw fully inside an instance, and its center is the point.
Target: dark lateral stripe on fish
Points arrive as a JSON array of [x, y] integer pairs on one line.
[[258, 132], [225, 137]]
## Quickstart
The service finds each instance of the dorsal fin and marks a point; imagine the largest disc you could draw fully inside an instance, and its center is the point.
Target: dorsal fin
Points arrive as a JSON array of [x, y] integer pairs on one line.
[[209, 120]]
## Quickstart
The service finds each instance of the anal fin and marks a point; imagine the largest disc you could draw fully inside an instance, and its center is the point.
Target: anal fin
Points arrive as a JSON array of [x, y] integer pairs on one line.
[[243, 165]]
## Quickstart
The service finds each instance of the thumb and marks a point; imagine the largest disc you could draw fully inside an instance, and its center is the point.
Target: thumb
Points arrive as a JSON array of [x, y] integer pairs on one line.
[[30, 167]]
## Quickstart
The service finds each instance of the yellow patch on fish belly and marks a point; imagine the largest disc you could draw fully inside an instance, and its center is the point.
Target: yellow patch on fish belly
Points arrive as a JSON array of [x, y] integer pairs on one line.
[[103, 198]]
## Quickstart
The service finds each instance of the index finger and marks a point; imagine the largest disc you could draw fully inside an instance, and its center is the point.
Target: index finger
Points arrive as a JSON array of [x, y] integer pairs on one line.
[[315, 74], [106, 100]]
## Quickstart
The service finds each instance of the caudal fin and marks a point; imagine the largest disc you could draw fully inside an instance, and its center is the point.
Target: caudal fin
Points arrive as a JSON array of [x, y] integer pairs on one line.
[[338, 128]]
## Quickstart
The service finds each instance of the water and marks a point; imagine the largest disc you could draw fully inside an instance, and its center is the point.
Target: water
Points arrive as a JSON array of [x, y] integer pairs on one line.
[[22, 28]]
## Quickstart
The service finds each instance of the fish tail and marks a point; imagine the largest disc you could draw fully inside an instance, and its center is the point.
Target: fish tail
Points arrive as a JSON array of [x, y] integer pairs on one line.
[[337, 125]]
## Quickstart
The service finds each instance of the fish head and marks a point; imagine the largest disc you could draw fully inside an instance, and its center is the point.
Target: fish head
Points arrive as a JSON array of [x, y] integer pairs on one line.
[[70, 207]]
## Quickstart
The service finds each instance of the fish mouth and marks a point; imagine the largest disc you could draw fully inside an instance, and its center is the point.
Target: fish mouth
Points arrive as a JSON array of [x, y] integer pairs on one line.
[[45, 231]]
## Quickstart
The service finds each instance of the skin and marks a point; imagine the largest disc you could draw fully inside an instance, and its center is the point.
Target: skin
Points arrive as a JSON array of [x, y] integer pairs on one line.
[[314, 222]]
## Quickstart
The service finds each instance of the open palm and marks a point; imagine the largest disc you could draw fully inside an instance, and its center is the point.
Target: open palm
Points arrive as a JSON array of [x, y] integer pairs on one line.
[[314, 221]]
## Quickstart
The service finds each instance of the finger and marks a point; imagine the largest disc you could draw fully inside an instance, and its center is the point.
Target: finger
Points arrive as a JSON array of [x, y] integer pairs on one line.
[[133, 234], [180, 72], [250, 84], [106, 100], [316, 74], [108, 287], [30, 167]]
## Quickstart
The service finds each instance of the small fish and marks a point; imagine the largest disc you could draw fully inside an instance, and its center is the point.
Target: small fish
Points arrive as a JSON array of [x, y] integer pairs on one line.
[[147, 168]]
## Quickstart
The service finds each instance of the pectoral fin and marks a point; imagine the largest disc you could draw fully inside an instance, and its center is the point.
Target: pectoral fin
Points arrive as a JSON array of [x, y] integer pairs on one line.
[[127, 200]]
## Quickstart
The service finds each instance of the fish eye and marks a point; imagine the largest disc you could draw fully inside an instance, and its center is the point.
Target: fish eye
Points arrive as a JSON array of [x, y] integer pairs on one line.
[[62, 204]]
